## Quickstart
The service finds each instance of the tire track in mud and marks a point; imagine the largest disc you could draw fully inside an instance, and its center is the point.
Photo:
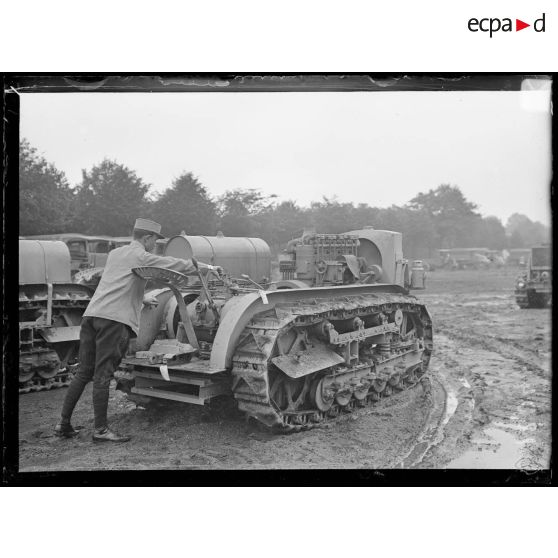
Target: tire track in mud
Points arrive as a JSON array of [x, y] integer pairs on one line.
[[498, 382], [524, 356], [431, 432], [453, 409], [356, 440], [457, 420], [522, 360]]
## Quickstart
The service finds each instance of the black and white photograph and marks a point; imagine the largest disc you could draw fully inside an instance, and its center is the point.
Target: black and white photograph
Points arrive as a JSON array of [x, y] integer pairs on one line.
[[284, 272]]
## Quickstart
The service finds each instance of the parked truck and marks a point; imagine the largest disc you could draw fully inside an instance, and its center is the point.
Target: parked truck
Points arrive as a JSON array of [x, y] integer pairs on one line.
[[533, 288], [518, 257], [464, 258]]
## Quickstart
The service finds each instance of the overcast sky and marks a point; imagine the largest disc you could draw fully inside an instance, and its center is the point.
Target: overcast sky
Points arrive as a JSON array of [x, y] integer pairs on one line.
[[379, 148]]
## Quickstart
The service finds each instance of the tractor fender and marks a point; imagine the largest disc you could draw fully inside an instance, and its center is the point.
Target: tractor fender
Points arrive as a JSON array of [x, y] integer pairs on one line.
[[290, 284], [238, 312]]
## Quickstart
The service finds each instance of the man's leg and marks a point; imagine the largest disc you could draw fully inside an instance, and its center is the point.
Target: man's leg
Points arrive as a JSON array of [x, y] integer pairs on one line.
[[83, 376], [111, 343]]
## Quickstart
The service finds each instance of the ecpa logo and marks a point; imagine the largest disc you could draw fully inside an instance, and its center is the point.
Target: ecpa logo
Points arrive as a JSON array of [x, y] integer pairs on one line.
[[494, 24]]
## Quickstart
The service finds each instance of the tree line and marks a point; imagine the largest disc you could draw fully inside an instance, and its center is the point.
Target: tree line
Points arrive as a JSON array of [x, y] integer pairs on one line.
[[110, 196]]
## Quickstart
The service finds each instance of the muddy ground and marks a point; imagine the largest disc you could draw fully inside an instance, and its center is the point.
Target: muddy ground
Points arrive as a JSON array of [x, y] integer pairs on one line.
[[491, 382]]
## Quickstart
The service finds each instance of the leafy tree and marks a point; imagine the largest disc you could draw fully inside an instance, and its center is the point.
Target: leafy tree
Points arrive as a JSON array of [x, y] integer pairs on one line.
[[392, 218], [109, 199], [491, 234], [242, 211], [331, 216], [365, 216], [524, 233], [419, 234], [280, 223], [45, 197], [453, 216], [515, 240], [444, 200], [186, 206], [517, 222]]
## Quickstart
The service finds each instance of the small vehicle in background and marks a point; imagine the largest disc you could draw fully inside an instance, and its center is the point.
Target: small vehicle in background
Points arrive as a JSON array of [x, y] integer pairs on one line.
[[464, 258], [533, 288]]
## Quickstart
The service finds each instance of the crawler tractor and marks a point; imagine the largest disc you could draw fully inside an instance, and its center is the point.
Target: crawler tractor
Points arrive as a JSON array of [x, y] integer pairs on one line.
[[533, 288], [337, 332], [50, 310]]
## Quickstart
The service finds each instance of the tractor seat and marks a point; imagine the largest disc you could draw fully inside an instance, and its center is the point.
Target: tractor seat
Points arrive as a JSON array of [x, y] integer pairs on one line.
[[165, 277]]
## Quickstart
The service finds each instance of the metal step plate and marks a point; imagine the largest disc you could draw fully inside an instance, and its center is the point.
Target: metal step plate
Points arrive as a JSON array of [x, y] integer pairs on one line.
[[310, 360]]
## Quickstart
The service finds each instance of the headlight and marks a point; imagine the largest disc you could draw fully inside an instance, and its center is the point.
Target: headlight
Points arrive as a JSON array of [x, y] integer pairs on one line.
[[521, 285]]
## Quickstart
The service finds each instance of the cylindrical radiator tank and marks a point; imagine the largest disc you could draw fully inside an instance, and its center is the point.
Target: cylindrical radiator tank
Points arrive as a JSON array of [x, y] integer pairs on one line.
[[237, 255], [384, 249]]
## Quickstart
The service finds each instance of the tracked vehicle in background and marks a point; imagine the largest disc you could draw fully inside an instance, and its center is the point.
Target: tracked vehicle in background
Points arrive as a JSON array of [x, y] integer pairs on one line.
[[338, 331], [533, 289], [50, 311], [88, 254]]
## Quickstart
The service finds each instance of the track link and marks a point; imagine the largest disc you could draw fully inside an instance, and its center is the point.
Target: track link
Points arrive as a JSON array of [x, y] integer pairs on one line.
[[253, 370], [37, 383]]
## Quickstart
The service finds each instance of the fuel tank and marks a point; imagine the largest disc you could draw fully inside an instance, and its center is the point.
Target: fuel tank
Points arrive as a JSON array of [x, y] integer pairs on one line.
[[43, 261], [237, 255]]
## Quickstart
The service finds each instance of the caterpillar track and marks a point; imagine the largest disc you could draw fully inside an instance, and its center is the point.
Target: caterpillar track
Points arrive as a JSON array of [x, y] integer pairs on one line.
[[50, 311], [49, 335], [304, 364], [62, 379]]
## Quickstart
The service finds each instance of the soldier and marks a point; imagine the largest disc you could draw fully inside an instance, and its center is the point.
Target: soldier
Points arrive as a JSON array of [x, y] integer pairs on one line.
[[109, 322]]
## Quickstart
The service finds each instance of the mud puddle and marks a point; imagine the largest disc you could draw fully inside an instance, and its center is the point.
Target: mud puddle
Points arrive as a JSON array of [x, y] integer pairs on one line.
[[495, 449]]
